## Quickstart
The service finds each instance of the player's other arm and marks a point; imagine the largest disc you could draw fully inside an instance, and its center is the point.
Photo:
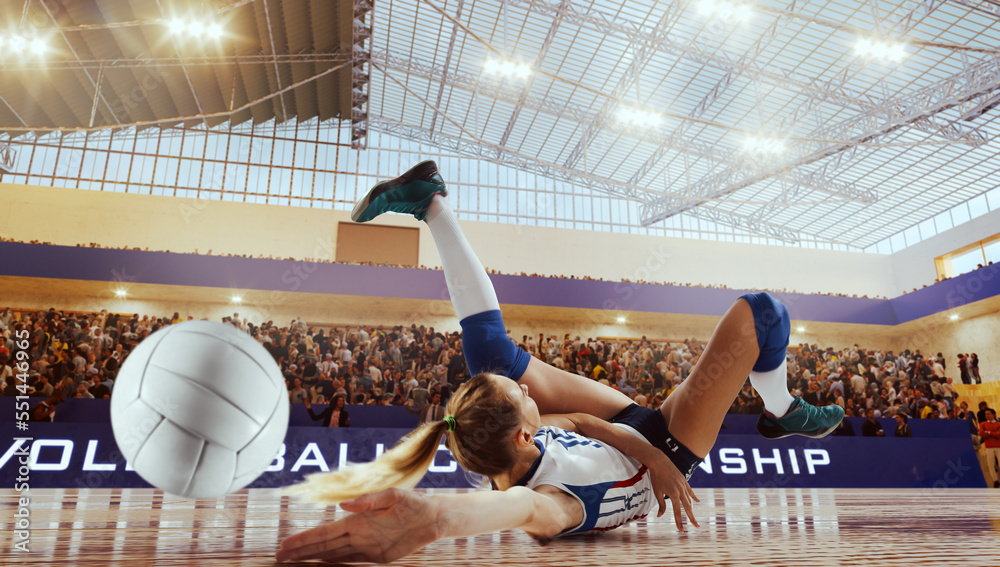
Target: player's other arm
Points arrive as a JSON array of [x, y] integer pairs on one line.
[[666, 479]]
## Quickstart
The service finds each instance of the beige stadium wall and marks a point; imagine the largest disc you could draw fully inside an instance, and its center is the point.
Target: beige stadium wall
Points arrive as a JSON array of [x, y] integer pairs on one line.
[[72, 216]]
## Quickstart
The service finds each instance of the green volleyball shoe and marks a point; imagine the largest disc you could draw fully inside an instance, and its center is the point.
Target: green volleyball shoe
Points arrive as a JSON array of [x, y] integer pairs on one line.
[[801, 418], [410, 193]]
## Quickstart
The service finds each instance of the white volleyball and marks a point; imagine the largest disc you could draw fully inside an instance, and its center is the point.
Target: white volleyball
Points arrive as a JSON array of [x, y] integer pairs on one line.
[[199, 409]]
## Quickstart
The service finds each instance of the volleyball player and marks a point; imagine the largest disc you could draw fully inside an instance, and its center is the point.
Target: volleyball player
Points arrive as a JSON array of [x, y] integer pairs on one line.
[[558, 474]]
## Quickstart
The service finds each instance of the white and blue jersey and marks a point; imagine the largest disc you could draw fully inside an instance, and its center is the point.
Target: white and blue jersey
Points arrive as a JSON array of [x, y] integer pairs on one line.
[[613, 488]]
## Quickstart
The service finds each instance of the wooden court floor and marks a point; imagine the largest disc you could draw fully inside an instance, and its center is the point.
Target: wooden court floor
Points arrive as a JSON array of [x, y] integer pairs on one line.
[[739, 527]]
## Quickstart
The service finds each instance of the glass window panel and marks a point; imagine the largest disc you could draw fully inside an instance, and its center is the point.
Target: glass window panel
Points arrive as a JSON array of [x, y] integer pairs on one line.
[[967, 261], [992, 251], [960, 214], [927, 229], [978, 206], [943, 221], [993, 199], [912, 235]]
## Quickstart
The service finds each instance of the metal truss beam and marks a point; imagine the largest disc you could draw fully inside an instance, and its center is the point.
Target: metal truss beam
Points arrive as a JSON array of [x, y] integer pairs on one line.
[[497, 154], [503, 156], [548, 105], [639, 61], [972, 83], [984, 6], [542, 52], [360, 72], [106, 64], [447, 62], [676, 141], [815, 89], [7, 157]]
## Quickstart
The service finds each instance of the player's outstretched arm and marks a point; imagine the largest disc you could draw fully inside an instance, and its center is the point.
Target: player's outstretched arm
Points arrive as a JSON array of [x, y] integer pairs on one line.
[[666, 478], [390, 524]]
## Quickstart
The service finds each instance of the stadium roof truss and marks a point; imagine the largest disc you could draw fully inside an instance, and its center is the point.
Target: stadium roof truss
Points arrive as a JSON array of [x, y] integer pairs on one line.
[[767, 117]]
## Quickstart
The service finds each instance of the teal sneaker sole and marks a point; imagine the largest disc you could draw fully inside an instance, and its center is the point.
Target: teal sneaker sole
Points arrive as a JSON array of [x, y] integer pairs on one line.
[[769, 428], [410, 193]]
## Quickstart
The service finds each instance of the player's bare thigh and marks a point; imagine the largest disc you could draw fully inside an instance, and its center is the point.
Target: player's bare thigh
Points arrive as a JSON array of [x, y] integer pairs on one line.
[[558, 391]]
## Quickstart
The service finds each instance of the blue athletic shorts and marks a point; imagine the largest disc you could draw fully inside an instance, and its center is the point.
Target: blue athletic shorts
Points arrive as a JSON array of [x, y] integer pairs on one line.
[[487, 348], [650, 423], [770, 318]]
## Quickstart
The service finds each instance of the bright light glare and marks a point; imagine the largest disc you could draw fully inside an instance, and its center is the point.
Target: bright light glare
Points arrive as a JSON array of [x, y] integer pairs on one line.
[[38, 46], [237, 299], [639, 117], [195, 27], [726, 10], [120, 293], [507, 68], [800, 329], [621, 319], [954, 316], [889, 49], [763, 145], [17, 43]]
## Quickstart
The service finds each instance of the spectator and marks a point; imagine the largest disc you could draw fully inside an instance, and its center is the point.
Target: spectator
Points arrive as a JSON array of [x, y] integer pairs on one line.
[[902, 427], [871, 428], [335, 415], [433, 411], [989, 432], [297, 394], [99, 391]]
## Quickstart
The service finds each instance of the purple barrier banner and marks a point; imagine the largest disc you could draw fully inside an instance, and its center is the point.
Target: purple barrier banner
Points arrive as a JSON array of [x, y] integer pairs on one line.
[[78, 410], [398, 417], [98, 264], [86, 456]]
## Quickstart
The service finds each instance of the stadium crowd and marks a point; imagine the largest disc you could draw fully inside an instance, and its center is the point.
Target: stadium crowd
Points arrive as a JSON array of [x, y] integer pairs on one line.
[[77, 355]]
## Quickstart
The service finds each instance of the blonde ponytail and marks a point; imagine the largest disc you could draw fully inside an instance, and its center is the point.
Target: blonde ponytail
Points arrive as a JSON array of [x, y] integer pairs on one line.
[[400, 467], [483, 420]]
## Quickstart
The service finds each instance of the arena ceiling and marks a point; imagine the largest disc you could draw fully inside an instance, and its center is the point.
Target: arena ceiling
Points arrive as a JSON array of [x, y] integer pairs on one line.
[[844, 122]]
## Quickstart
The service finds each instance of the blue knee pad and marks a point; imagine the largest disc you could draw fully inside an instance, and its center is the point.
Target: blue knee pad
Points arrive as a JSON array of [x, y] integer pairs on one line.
[[487, 348], [770, 319]]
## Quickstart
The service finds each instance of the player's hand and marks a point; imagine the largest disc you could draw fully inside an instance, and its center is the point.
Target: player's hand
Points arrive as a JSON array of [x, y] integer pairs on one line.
[[383, 527], [308, 405], [668, 480]]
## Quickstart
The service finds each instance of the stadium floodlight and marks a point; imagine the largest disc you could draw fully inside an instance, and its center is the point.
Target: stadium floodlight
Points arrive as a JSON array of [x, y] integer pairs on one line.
[[621, 319], [17, 43], [177, 26], [38, 46], [954, 316], [237, 299], [195, 28], [763, 145], [638, 117], [120, 293], [877, 48], [507, 68]]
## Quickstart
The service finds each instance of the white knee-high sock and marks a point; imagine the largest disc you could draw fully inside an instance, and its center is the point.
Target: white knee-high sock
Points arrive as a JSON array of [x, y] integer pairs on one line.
[[470, 288], [773, 389]]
